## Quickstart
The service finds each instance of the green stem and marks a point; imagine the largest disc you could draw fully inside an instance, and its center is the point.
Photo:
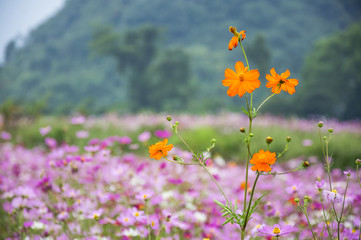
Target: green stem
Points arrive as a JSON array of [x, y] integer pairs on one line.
[[325, 156], [358, 177], [147, 214], [343, 205], [244, 54], [265, 101], [281, 173], [309, 224], [247, 164], [250, 202], [325, 219], [215, 181]]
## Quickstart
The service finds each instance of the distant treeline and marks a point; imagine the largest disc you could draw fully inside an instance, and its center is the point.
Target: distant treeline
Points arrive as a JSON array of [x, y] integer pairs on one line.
[[97, 56]]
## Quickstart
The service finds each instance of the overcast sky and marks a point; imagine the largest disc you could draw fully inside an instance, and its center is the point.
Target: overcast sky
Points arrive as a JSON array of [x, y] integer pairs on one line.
[[18, 17]]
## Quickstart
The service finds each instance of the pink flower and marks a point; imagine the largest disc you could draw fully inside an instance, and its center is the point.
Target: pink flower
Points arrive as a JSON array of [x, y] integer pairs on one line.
[[78, 120], [320, 184], [50, 142], [82, 134], [45, 130], [144, 136], [333, 196], [144, 195], [94, 148], [63, 215], [126, 219], [5, 135], [275, 231]]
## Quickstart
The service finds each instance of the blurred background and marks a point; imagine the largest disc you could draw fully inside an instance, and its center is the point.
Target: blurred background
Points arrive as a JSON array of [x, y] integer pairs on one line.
[[59, 57]]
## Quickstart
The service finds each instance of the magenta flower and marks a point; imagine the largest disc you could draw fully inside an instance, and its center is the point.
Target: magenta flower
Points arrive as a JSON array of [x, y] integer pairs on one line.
[[125, 140], [78, 120], [348, 172], [126, 219], [275, 231], [162, 134]]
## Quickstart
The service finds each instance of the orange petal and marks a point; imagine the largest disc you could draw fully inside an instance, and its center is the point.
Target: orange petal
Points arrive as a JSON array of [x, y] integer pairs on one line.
[[285, 74], [229, 73], [240, 67]]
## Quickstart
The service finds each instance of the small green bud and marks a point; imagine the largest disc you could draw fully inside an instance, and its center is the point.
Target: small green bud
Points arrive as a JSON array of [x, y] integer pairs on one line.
[[288, 139], [178, 159], [306, 164], [297, 200], [213, 140], [269, 139], [358, 161], [251, 135], [330, 130], [169, 118], [242, 130], [324, 138], [320, 124], [176, 123]]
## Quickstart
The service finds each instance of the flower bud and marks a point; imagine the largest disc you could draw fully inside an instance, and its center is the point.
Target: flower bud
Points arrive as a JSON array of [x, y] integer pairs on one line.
[[178, 159], [320, 124], [242, 130], [330, 130], [297, 200], [269, 139], [176, 123], [358, 162], [233, 30], [324, 138], [169, 118], [305, 164], [251, 135], [213, 140], [288, 139]]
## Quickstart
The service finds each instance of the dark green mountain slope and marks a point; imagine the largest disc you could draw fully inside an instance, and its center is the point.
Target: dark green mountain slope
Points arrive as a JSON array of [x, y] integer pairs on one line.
[[57, 61]]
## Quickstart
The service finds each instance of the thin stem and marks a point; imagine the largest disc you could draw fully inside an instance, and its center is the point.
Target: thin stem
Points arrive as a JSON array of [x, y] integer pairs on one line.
[[324, 218], [266, 100], [244, 54], [146, 213], [343, 205], [325, 155], [247, 164], [309, 224], [358, 177], [281, 173], [250, 201], [189, 148], [215, 181]]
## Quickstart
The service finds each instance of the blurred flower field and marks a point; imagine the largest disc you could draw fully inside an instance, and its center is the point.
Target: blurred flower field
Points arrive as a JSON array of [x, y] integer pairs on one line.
[[75, 185]]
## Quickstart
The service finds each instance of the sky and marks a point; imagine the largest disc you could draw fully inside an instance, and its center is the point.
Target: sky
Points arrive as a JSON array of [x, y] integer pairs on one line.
[[19, 17]]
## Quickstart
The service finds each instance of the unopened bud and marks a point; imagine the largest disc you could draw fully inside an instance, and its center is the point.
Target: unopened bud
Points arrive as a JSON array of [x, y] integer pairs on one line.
[[176, 123], [213, 140], [297, 200], [358, 161], [320, 124], [269, 139], [178, 159], [169, 118], [251, 135], [233, 30], [306, 164], [330, 130], [242, 130], [288, 139], [324, 138]]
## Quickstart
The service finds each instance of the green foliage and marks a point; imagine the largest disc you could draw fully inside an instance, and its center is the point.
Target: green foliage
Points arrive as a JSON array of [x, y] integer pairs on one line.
[[57, 59], [332, 76]]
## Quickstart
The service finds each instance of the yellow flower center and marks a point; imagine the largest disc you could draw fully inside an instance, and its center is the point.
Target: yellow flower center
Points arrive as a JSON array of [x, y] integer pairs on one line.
[[136, 214], [95, 216], [334, 191], [258, 226], [276, 230], [294, 188], [153, 223], [126, 220], [144, 196], [353, 230]]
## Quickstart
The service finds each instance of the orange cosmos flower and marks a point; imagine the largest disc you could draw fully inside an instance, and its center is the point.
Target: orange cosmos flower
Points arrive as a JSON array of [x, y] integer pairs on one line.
[[234, 40], [280, 82], [160, 149], [263, 160], [241, 81]]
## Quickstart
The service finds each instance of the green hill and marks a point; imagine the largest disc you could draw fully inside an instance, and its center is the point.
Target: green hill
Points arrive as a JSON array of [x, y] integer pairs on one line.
[[57, 63]]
